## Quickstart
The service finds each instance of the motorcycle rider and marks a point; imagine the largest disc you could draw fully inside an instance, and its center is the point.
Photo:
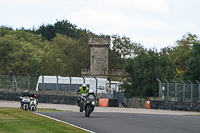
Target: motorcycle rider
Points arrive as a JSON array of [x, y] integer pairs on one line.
[[25, 94], [34, 95], [91, 92], [82, 89]]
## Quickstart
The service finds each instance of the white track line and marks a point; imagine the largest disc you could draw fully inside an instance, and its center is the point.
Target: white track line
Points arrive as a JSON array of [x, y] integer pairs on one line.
[[65, 122]]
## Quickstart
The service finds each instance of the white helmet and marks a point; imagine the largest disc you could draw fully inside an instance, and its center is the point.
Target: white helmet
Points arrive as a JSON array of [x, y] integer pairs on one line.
[[91, 91], [84, 86]]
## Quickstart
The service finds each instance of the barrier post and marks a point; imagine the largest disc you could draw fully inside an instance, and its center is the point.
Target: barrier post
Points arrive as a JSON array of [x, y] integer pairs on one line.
[[14, 81], [109, 82], [83, 80], [56, 85], [159, 88], [175, 90], [42, 85], [96, 85], [70, 82], [183, 90], [191, 94], [167, 90], [199, 89], [28, 81], [12, 74]]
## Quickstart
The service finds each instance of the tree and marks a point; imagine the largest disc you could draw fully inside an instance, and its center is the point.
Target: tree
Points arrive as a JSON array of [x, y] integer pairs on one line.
[[180, 53], [193, 64], [143, 71], [21, 52], [121, 48], [125, 47], [67, 56], [62, 27]]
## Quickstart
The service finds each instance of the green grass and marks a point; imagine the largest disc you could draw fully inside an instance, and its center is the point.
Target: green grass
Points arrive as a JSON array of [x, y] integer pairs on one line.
[[15, 120]]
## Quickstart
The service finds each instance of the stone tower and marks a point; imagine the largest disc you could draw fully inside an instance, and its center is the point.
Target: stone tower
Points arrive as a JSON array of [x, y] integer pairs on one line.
[[98, 57]]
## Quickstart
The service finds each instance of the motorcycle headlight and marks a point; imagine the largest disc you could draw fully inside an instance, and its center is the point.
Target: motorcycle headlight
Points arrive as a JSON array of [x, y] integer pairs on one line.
[[93, 102]]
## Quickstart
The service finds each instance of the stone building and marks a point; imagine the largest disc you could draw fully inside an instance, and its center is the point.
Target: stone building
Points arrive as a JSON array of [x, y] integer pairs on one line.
[[98, 57]]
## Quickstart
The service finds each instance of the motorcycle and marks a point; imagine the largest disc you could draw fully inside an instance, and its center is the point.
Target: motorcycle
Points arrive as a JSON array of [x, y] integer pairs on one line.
[[82, 99], [89, 105], [33, 104], [25, 103]]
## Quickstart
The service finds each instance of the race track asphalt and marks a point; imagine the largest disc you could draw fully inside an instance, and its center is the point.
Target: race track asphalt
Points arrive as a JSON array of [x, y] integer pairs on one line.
[[123, 120], [112, 122]]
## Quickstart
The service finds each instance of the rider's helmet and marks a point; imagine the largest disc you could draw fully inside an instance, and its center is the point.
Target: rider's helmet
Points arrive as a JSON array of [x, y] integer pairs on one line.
[[91, 92], [32, 93], [26, 91], [84, 86]]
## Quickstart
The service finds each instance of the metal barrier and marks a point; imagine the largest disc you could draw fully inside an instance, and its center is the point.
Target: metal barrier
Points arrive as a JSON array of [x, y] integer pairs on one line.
[[186, 91]]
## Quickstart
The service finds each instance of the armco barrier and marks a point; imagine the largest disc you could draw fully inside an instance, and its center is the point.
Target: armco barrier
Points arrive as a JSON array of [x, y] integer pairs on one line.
[[15, 96], [113, 103], [57, 99], [170, 105], [12, 96]]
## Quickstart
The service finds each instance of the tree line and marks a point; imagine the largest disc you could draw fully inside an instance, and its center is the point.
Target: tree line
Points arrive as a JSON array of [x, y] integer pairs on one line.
[[62, 49]]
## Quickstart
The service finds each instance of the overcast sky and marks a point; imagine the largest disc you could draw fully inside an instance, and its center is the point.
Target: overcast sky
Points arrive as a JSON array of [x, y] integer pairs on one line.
[[153, 23]]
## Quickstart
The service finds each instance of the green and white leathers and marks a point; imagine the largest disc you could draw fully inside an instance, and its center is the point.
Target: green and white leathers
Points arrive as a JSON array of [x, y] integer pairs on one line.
[[83, 91]]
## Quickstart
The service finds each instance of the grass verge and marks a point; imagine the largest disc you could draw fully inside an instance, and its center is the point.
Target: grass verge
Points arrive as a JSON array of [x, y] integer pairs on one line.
[[15, 120]]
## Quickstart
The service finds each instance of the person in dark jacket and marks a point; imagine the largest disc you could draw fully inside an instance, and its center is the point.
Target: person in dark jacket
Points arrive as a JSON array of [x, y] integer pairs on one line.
[[25, 94], [34, 95]]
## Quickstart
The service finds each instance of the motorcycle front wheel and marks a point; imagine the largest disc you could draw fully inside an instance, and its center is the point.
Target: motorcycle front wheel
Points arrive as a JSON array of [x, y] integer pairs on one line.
[[88, 111], [81, 110]]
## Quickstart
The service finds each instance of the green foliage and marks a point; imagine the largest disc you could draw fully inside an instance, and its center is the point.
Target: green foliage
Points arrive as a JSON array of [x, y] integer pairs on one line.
[[62, 27], [180, 53], [143, 71], [121, 48], [115, 60], [193, 64], [177, 74], [124, 46], [21, 51], [66, 56]]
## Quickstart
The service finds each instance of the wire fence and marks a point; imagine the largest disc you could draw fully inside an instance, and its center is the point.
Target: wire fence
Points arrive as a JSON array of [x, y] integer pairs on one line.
[[12, 83], [53, 85], [185, 91]]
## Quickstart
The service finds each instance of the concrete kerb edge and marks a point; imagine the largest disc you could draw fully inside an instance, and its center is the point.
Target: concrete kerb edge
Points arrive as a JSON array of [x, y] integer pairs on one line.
[[64, 122]]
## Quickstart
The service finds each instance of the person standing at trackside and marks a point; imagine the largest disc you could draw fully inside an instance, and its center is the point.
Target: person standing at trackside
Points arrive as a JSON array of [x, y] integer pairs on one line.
[[82, 89]]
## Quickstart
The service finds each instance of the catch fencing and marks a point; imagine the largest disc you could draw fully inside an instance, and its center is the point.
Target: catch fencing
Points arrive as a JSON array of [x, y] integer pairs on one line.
[[183, 91], [12, 83], [64, 87], [53, 89]]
